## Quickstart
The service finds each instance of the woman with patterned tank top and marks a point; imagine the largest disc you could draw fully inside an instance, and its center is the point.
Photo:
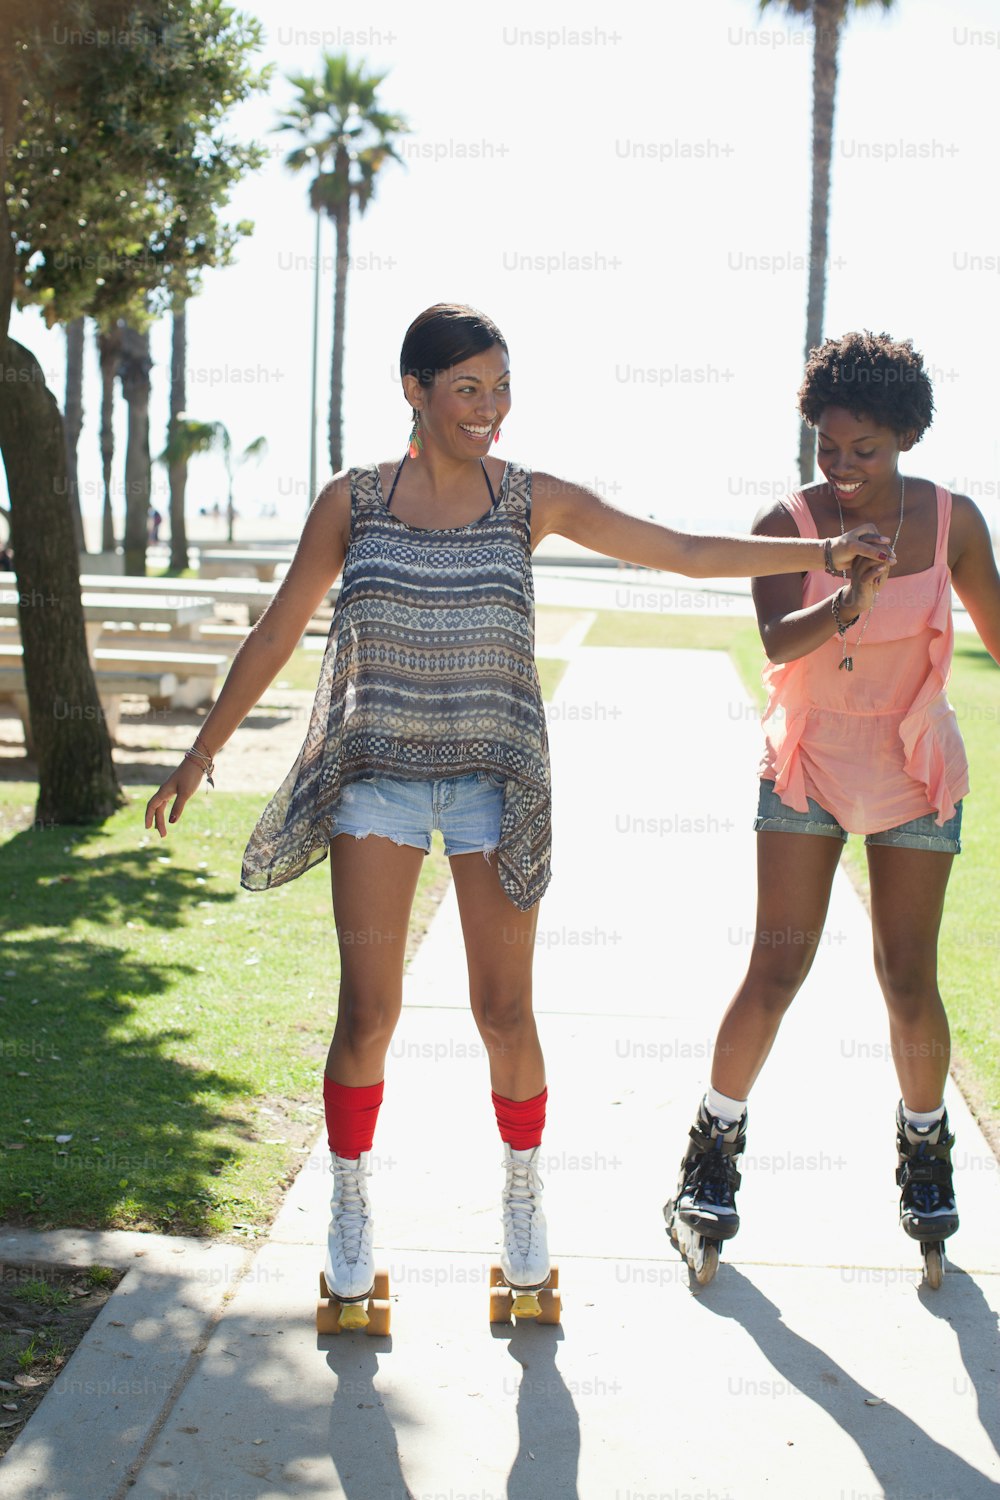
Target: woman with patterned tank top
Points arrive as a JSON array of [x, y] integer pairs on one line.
[[428, 714], [860, 738]]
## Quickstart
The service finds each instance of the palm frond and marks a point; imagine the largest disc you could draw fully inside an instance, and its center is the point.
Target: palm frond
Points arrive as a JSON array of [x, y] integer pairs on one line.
[[188, 438]]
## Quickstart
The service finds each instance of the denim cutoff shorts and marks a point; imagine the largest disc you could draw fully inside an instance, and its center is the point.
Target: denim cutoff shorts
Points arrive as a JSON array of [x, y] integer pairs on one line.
[[467, 810], [773, 816]]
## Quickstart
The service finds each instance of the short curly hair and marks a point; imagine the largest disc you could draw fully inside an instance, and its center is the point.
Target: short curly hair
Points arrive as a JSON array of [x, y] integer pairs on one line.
[[871, 375]]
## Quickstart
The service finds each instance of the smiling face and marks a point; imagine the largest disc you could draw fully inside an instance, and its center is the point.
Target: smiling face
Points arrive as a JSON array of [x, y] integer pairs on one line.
[[858, 458], [462, 409]]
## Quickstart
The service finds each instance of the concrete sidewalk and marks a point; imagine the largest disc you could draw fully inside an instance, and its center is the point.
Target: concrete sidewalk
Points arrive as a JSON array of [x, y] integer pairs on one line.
[[815, 1366]]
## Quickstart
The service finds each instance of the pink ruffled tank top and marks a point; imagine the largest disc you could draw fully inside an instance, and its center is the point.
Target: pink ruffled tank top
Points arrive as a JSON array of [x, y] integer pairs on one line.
[[880, 745]]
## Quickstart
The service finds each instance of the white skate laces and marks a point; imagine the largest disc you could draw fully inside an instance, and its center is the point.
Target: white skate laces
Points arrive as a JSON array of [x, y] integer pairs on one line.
[[350, 1264], [524, 1259]]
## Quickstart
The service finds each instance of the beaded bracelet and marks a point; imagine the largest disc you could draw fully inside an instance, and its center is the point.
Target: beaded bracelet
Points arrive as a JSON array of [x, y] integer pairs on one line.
[[828, 559], [836, 600]]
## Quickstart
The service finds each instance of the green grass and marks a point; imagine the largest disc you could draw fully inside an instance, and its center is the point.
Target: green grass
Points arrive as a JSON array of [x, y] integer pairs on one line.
[[96, 1276], [550, 673], [301, 671], [969, 949], [172, 1025], [40, 1294]]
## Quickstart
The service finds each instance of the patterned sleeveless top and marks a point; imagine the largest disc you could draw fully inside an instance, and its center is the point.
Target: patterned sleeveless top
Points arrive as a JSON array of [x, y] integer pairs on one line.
[[428, 673]]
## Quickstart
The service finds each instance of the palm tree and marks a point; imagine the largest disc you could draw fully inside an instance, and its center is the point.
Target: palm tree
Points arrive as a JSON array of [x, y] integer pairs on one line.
[[134, 366], [73, 422], [189, 437], [339, 121], [828, 18], [177, 468], [109, 345]]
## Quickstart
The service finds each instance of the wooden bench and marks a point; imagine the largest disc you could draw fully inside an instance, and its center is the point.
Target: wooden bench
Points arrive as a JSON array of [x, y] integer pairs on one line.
[[112, 686]]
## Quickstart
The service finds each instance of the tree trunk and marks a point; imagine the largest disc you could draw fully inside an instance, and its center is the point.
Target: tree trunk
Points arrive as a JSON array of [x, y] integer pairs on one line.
[[73, 421], [109, 345], [828, 20], [342, 219], [178, 469], [76, 776], [135, 367], [11, 95]]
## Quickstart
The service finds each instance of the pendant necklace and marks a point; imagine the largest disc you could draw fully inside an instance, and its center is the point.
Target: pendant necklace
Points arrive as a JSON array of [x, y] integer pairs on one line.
[[847, 662]]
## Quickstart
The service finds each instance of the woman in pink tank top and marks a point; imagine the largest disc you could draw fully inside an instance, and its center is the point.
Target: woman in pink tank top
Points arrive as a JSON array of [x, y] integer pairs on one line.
[[859, 738]]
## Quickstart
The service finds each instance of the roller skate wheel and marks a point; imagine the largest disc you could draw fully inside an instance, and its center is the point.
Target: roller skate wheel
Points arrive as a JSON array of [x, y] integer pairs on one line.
[[327, 1317], [933, 1264], [500, 1305], [705, 1260], [379, 1317], [550, 1305]]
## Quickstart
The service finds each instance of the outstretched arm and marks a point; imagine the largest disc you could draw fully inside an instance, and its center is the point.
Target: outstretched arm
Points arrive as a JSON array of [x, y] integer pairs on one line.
[[580, 514], [318, 559], [788, 628], [974, 570]]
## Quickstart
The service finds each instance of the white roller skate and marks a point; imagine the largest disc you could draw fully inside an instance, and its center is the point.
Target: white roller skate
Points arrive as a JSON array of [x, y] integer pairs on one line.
[[524, 1267], [350, 1258]]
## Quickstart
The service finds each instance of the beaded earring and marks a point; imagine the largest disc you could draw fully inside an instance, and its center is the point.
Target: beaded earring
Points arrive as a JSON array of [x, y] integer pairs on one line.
[[416, 441]]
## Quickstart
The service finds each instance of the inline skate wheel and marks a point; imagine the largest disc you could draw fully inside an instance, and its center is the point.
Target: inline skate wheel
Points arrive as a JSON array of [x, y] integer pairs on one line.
[[933, 1264], [705, 1261]]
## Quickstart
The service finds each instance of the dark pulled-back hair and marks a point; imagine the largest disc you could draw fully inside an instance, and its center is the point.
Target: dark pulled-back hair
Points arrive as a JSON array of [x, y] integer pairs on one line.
[[871, 375], [443, 336]]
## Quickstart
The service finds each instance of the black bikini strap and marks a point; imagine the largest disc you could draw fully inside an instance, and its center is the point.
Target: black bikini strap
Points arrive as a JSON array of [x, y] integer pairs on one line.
[[395, 481]]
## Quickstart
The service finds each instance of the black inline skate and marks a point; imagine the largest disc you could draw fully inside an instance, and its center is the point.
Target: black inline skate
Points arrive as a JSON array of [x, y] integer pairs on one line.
[[703, 1214], [927, 1199]]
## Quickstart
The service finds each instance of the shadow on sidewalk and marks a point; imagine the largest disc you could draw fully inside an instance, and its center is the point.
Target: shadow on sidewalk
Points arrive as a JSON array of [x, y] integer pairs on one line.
[[548, 1424], [974, 1324], [362, 1434], [905, 1460]]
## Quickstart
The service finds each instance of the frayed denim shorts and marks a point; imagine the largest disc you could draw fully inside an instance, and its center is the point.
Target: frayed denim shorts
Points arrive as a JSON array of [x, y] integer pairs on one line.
[[774, 816], [466, 809]]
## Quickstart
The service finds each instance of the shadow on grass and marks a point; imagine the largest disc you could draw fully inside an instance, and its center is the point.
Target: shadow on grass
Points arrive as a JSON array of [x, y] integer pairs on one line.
[[148, 1127]]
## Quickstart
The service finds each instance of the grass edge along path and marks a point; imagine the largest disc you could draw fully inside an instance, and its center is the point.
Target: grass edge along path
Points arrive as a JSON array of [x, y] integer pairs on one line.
[[162, 1031], [969, 950]]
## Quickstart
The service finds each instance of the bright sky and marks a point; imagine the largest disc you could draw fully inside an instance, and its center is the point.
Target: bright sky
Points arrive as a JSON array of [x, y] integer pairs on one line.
[[628, 199]]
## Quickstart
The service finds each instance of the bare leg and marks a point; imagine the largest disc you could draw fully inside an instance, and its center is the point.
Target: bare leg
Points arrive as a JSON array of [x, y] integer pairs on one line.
[[499, 948], [373, 883], [794, 875], [907, 893]]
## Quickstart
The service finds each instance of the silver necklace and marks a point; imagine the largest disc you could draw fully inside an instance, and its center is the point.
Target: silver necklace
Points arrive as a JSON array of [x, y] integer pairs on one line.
[[847, 662]]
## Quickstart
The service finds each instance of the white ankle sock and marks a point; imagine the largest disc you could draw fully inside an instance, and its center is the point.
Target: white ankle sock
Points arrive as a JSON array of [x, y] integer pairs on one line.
[[721, 1107], [929, 1117]]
